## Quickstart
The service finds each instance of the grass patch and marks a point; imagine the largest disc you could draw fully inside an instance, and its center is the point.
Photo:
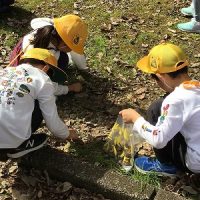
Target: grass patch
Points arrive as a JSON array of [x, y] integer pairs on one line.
[[97, 45], [151, 20], [144, 179], [93, 152]]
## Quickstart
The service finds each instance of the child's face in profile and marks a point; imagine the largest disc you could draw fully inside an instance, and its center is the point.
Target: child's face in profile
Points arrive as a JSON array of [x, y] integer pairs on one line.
[[63, 47], [161, 84]]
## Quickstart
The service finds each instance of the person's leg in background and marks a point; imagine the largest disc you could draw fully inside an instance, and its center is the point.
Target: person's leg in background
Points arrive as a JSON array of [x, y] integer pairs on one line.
[[63, 63], [197, 10], [194, 24]]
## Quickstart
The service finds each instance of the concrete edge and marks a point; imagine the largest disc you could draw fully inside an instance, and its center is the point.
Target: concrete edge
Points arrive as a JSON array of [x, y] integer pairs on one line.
[[108, 182]]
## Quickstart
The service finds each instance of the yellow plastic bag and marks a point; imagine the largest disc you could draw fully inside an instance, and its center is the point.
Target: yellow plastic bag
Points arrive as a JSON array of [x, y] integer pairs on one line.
[[121, 141]]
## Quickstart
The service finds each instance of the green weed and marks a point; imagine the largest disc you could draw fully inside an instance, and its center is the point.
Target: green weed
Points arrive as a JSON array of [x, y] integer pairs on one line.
[[94, 153], [144, 179]]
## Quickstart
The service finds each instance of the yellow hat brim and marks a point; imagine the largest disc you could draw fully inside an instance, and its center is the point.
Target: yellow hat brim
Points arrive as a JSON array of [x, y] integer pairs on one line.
[[64, 29], [143, 64]]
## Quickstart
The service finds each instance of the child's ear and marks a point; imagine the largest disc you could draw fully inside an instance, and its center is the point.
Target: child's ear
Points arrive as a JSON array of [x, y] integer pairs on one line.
[[46, 68]]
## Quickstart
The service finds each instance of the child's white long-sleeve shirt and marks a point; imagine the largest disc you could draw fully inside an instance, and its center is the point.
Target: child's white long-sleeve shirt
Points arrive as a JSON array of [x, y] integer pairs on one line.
[[19, 88], [180, 112], [60, 89]]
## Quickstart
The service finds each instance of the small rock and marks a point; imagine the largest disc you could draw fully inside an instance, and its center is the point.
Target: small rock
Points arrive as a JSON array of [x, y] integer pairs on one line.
[[64, 187], [39, 194]]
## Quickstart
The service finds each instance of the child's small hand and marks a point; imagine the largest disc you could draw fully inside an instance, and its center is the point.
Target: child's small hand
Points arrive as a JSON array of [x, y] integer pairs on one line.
[[72, 135], [75, 87], [129, 115]]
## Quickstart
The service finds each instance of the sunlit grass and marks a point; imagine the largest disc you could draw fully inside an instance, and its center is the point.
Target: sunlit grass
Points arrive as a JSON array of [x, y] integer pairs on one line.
[[93, 152], [125, 42]]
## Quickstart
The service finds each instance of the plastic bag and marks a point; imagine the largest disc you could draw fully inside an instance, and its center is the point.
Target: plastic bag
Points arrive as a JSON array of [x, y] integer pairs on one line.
[[121, 141]]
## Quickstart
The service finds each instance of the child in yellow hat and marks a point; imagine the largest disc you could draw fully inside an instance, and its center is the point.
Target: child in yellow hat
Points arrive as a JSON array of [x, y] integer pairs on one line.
[[26, 98], [64, 37], [173, 124]]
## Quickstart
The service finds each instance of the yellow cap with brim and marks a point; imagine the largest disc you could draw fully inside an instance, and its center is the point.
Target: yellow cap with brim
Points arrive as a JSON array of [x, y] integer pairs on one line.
[[163, 58], [73, 31], [43, 55]]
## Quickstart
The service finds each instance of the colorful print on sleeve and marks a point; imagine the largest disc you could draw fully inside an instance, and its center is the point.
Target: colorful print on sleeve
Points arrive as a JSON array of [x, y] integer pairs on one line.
[[150, 129], [13, 84], [146, 129], [164, 113]]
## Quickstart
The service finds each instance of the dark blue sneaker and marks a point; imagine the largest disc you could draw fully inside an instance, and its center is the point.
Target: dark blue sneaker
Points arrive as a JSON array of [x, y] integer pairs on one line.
[[35, 142], [146, 165]]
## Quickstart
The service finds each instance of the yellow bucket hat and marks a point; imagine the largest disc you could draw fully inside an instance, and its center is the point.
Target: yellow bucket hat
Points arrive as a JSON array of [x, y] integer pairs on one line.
[[47, 57], [44, 55], [73, 31], [163, 58], [41, 54]]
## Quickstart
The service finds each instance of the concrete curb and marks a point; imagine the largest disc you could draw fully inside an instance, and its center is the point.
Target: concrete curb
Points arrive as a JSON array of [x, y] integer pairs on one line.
[[162, 194], [112, 185]]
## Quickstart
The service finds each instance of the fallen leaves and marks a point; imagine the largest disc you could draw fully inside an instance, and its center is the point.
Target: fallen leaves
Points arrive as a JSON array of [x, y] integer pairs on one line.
[[140, 90], [172, 30], [32, 184], [64, 187], [93, 111], [29, 180], [122, 63]]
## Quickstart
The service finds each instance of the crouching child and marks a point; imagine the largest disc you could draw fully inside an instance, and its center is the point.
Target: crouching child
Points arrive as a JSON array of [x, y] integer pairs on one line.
[[173, 128], [26, 98]]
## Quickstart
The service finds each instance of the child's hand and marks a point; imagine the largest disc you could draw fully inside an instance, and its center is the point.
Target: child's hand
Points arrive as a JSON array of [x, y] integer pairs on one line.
[[129, 115], [75, 87], [72, 135]]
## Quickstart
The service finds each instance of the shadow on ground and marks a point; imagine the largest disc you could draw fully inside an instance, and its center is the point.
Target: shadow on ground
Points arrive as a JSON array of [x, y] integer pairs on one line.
[[65, 167], [97, 104], [16, 19]]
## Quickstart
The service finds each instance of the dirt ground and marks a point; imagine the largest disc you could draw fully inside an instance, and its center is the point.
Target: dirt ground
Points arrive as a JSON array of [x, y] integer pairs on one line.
[[121, 31]]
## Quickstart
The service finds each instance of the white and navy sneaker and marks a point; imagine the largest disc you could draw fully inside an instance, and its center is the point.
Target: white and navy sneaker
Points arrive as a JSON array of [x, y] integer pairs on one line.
[[35, 142]]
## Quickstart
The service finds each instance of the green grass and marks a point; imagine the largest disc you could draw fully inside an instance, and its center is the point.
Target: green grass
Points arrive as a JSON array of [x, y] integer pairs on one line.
[[124, 42], [144, 179], [99, 44], [29, 5], [100, 49], [93, 152]]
